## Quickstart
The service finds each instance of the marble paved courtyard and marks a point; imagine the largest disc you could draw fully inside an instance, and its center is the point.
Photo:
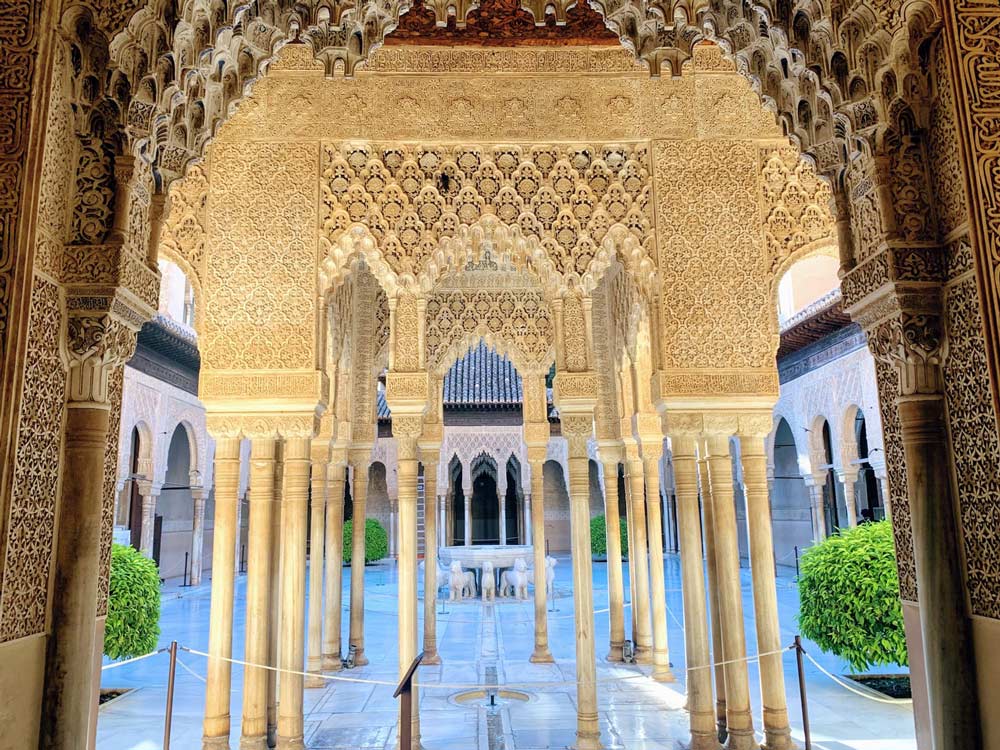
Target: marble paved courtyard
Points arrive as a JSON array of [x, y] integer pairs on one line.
[[486, 645]]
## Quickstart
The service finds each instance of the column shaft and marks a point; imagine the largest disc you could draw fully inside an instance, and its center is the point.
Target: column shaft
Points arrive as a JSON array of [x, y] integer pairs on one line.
[[430, 564], [291, 653], [147, 534], [468, 517], [444, 533], [654, 514], [333, 606], [274, 642], [738, 718], [218, 683], [639, 564], [527, 519], [317, 529], [358, 497], [945, 627], [258, 604], [541, 653], [407, 477], [713, 590], [849, 500], [198, 536], [630, 538], [70, 657], [819, 516], [588, 733], [765, 595], [616, 587], [502, 507], [699, 671]]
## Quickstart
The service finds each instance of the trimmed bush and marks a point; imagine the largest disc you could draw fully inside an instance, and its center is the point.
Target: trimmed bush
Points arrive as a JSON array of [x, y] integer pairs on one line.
[[599, 536], [133, 625], [849, 597], [376, 541]]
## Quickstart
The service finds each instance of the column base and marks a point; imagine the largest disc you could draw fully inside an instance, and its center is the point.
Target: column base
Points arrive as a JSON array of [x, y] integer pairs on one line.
[[663, 675], [541, 656], [215, 743], [704, 742], [257, 742], [778, 740], [313, 682], [431, 658], [332, 663], [290, 743], [588, 740], [360, 660], [615, 652], [643, 655], [742, 739]]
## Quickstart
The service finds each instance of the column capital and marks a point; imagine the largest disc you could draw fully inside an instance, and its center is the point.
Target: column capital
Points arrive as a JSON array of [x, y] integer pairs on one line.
[[200, 494], [537, 453], [611, 451], [577, 428], [755, 425], [537, 434]]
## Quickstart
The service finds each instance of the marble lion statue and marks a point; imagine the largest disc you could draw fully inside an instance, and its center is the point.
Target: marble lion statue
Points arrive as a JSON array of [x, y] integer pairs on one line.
[[459, 582], [515, 580], [489, 582], [550, 574]]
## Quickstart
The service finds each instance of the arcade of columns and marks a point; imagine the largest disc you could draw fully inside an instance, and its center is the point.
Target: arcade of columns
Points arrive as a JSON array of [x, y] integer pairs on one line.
[[895, 106]]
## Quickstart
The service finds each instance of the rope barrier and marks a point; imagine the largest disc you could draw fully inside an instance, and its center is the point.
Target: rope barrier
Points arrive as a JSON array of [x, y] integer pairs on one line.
[[857, 691], [115, 665], [190, 671]]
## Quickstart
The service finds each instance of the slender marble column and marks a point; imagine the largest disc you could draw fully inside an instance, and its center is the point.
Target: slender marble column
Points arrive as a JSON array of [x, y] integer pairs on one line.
[[713, 589], [147, 533], [945, 627], [393, 547], [218, 682], [430, 559], [333, 606], [536, 456], [291, 654], [443, 532], [198, 496], [274, 644], [765, 596], [502, 507], [654, 513], [720, 469], [699, 670], [467, 492], [819, 517], [616, 587], [317, 503], [849, 479], [588, 733], [358, 497], [259, 573], [527, 519], [630, 539], [407, 478], [639, 564]]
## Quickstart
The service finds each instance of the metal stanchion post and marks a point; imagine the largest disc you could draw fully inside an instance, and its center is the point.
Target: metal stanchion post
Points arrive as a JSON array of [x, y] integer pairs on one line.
[[170, 696], [404, 691], [802, 691], [796, 562], [184, 579]]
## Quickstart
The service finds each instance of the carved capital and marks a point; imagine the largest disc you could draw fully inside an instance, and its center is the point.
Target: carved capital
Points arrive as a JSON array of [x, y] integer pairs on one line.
[[96, 343], [722, 424], [578, 428], [913, 343], [755, 424], [537, 433]]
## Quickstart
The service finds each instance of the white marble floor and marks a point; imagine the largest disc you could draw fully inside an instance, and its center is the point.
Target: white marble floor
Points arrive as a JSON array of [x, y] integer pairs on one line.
[[479, 646]]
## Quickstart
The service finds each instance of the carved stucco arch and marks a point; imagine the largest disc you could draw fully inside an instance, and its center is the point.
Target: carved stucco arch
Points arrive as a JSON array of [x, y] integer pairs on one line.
[[825, 247], [222, 50]]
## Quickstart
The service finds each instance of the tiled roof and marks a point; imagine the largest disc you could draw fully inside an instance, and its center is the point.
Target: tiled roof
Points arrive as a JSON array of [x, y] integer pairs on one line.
[[482, 378]]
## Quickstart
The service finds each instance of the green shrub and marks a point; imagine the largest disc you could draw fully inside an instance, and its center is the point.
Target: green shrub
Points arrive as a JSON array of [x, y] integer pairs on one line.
[[849, 597], [133, 625], [376, 541], [599, 536]]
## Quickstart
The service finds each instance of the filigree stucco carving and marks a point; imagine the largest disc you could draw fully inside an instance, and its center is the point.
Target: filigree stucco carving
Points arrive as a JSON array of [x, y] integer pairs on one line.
[[30, 524], [260, 272], [562, 200]]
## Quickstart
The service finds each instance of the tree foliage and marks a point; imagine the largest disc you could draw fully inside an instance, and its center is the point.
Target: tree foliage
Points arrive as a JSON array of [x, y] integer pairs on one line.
[[376, 541], [849, 597], [133, 625], [599, 536]]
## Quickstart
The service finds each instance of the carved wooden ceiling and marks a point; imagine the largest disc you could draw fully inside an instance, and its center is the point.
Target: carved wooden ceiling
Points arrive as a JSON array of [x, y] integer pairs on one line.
[[503, 23]]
